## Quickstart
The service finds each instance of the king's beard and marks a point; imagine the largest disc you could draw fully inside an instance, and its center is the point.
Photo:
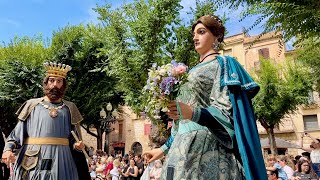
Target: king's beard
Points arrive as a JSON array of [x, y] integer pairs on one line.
[[55, 93]]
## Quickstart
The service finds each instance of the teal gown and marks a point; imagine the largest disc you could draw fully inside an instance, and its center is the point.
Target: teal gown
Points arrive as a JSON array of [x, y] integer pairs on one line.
[[199, 151]]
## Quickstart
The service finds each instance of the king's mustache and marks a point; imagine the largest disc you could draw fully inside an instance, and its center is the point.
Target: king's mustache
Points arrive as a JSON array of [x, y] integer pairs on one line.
[[55, 90], [54, 93]]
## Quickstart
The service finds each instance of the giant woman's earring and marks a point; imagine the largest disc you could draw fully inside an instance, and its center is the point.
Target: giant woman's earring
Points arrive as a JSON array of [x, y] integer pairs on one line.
[[216, 45]]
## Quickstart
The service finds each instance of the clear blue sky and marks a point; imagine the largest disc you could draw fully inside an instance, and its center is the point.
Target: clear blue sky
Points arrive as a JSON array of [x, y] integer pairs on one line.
[[32, 17]]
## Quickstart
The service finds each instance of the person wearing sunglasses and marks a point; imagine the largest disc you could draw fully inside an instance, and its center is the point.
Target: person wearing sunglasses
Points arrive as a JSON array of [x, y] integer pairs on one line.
[[274, 164], [273, 175]]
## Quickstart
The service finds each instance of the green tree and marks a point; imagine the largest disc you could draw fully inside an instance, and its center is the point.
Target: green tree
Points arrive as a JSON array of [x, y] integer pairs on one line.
[[292, 18], [141, 33], [21, 76], [79, 46], [309, 54], [135, 36], [282, 89]]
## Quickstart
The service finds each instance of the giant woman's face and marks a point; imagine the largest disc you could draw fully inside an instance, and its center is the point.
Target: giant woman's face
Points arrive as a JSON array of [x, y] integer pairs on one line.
[[203, 39]]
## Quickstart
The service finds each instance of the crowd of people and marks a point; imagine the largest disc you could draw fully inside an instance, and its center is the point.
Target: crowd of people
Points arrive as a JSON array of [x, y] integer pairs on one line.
[[278, 167], [304, 166], [127, 167]]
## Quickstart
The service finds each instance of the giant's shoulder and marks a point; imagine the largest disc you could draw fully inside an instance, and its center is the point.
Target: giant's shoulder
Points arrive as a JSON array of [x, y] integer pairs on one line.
[[34, 100], [69, 103]]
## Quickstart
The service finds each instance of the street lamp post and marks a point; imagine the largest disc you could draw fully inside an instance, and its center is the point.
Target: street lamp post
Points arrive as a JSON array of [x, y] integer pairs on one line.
[[107, 118]]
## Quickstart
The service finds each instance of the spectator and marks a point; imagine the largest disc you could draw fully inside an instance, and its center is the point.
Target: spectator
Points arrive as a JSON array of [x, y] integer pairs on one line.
[[296, 159], [131, 155], [314, 151], [115, 172], [283, 161], [273, 175], [108, 168], [101, 165], [125, 166], [132, 171], [139, 164], [274, 165], [156, 170], [303, 171], [306, 155], [91, 151], [92, 170]]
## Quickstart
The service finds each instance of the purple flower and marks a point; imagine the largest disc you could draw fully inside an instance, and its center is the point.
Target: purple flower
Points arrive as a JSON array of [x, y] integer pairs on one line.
[[174, 63], [167, 83]]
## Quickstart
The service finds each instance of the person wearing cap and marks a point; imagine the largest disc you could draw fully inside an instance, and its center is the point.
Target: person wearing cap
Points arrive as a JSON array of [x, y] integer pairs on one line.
[[43, 134]]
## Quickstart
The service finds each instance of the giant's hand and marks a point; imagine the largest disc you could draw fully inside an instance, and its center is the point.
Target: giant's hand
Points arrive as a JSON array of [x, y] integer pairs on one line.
[[173, 113], [8, 157], [153, 155], [79, 145]]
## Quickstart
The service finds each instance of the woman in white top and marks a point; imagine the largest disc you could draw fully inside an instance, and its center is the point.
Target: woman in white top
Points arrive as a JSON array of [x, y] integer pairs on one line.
[[156, 170], [314, 150], [283, 161], [101, 166], [115, 172]]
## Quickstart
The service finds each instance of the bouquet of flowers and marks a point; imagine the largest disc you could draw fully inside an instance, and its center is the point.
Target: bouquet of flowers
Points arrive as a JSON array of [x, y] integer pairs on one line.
[[162, 86]]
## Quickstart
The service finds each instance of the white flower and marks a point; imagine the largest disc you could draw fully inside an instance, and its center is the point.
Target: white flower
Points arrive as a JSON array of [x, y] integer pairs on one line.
[[164, 109], [162, 71]]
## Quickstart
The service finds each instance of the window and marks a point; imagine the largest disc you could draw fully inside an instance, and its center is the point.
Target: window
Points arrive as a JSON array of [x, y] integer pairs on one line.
[[147, 129], [227, 52], [264, 52], [310, 122]]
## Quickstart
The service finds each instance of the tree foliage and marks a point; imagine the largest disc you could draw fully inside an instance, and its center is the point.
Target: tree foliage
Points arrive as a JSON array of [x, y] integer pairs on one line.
[[90, 89], [292, 18], [20, 76], [309, 54], [135, 35], [141, 33], [282, 89]]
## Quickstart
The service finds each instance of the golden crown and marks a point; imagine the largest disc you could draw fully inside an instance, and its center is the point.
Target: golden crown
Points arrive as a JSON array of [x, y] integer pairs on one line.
[[57, 70]]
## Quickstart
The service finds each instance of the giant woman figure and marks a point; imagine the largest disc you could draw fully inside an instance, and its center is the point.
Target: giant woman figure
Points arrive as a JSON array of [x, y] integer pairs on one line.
[[214, 135]]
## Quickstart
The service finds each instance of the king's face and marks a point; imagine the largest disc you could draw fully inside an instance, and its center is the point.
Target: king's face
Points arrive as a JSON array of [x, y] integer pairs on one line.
[[55, 82]]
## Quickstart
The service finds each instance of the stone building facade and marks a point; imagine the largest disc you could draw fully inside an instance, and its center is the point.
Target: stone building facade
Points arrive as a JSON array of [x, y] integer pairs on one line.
[[305, 119], [131, 133]]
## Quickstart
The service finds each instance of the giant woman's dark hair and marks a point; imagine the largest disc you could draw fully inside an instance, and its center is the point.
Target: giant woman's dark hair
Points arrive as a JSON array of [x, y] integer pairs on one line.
[[214, 24]]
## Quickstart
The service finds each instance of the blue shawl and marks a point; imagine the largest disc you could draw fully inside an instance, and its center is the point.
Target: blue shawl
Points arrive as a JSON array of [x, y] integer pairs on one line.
[[242, 89]]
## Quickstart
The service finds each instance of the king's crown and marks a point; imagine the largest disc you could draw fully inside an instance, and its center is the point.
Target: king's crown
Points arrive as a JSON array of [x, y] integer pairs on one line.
[[57, 70]]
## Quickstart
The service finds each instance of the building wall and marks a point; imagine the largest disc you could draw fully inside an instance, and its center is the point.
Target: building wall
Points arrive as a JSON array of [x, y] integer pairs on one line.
[[88, 139], [133, 130], [248, 55]]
